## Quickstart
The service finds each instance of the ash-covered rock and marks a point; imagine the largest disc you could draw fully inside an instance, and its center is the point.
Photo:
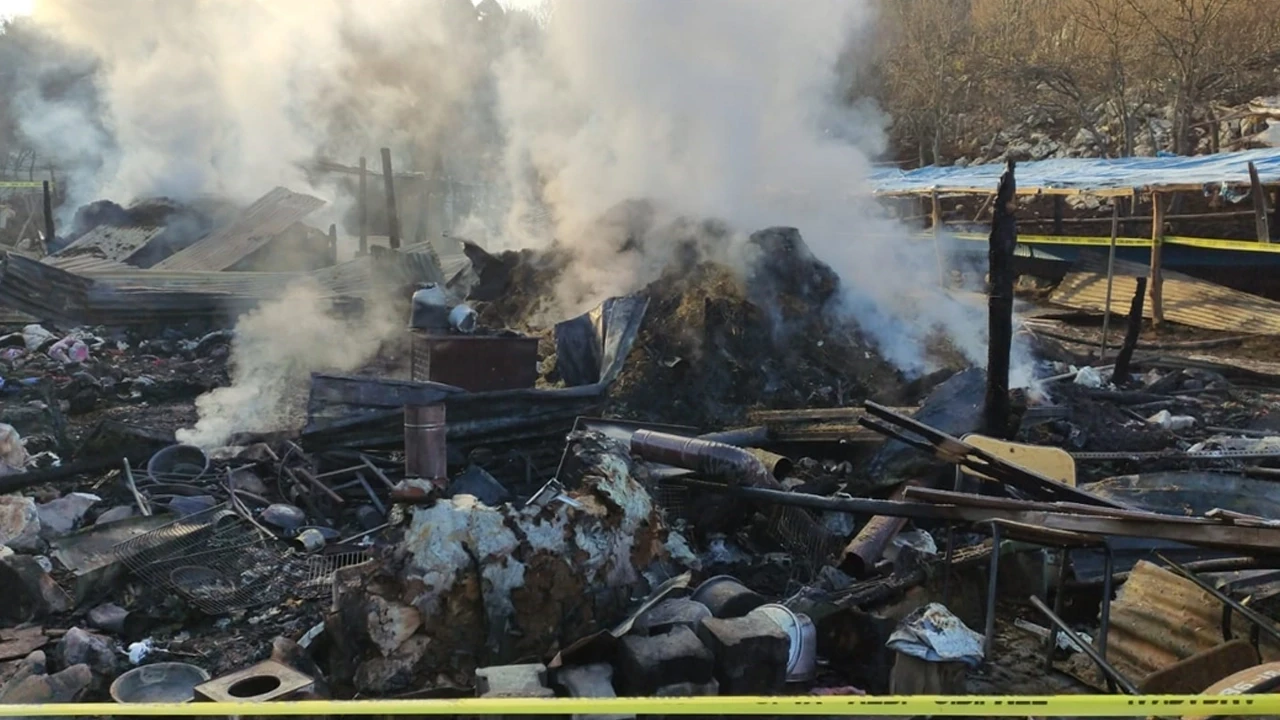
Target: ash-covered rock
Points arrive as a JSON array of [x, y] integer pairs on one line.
[[468, 585]]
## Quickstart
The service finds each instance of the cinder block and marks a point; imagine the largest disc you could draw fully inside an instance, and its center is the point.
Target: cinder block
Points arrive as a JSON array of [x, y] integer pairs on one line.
[[648, 663], [751, 654], [513, 681]]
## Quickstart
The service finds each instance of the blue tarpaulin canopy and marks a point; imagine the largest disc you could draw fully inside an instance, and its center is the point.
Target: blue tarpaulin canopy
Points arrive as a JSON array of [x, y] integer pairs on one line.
[[1068, 176]]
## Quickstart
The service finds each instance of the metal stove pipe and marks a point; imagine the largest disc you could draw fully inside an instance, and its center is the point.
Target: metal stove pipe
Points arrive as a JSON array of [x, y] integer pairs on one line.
[[715, 459], [424, 442]]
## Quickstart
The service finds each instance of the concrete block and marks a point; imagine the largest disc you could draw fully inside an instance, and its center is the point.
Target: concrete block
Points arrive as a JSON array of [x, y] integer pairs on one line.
[[750, 654], [648, 663], [513, 681]]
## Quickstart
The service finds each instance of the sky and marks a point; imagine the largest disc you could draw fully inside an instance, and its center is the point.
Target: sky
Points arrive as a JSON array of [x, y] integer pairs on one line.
[[9, 8]]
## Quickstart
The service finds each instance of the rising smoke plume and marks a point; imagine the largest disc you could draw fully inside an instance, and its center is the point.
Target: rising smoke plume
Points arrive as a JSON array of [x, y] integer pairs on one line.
[[275, 349], [735, 110]]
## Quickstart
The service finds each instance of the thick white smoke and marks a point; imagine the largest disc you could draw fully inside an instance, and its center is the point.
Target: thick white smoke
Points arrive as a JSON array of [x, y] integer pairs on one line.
[[728, 109]]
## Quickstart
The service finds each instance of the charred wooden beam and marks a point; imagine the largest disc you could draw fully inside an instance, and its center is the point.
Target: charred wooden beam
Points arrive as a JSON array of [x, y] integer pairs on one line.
[[49, 235], [1131, 336], [1003, 239]]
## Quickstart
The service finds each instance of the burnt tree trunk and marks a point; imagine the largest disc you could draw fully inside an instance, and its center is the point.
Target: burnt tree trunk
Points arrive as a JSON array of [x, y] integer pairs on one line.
[[1004, 236]]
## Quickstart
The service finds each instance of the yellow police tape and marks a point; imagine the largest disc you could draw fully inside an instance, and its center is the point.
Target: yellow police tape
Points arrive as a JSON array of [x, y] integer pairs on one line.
[[1126, 242], [993, 706], [31, 185]]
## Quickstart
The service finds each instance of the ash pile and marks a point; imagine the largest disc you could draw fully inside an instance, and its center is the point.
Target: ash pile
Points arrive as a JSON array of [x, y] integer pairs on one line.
[[713, 485]]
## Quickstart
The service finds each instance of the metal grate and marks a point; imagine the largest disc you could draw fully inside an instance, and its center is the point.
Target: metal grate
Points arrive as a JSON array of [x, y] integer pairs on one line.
[[220, 561], [803, 536]]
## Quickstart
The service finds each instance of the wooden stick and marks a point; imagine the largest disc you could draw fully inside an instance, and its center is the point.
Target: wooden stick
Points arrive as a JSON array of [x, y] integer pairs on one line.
[[364, 209], [393, 220]]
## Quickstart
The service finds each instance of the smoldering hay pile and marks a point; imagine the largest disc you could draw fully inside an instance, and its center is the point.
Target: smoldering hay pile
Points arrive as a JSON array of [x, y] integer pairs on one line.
[[720, 338]]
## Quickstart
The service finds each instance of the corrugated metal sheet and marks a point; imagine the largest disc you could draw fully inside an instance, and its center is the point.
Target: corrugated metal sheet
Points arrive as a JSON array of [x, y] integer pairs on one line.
[[1187, 301], [1159, 618], [88, 263], [271, 215], [136, 297], [107, 242]]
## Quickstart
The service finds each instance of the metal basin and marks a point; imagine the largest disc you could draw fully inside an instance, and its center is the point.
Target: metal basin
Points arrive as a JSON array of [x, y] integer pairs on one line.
[[166, 682]]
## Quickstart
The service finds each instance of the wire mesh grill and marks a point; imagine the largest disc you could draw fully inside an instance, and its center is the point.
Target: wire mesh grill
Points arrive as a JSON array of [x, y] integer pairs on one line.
[[219, 562], [803, 536]]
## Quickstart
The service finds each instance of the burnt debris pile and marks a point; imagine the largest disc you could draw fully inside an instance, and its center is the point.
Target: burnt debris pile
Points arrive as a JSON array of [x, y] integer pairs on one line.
[[423, 475]]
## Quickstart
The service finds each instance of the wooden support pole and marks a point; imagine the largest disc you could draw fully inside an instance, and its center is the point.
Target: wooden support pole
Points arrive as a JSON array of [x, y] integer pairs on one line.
[[393, 220], [364, 208], [1259, 204], [1059, 206], [935, 213], [1001, 243], [1111, 274], [1121, 373], [333, 244], [1157, 247], [49, 236]]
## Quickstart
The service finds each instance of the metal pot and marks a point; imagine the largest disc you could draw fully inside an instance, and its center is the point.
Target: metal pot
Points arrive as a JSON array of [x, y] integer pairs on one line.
[[725, 597]]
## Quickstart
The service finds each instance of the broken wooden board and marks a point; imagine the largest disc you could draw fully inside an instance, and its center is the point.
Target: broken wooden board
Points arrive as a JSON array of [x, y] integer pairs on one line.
[[1187, 301]]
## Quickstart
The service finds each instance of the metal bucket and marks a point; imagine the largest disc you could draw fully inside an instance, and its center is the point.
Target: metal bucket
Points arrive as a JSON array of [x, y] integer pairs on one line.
[[802, 663]]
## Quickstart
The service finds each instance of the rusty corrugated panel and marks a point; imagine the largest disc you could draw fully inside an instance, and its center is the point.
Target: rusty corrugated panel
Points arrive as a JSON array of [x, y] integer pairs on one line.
[[271, 215], [106, 242], [1187, 301], [1158, 618]]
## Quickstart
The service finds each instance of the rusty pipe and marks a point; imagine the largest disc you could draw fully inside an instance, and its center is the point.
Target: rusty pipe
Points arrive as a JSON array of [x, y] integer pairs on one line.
[[780, 465], [707, 457], [424, 443], [867, 547]]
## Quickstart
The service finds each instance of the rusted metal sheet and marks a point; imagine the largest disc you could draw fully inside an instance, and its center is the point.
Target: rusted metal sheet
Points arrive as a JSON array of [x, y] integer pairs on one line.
[[1158, 619], [1187, 301], [271, 215], [476, 363], [106, 242]]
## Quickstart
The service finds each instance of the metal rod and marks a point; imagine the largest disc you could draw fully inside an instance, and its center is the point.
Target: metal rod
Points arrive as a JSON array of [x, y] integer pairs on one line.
[[989, 628], [1057, 610], [1104, 626], [1264, 624], [1111, 274], [1086, 648]]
